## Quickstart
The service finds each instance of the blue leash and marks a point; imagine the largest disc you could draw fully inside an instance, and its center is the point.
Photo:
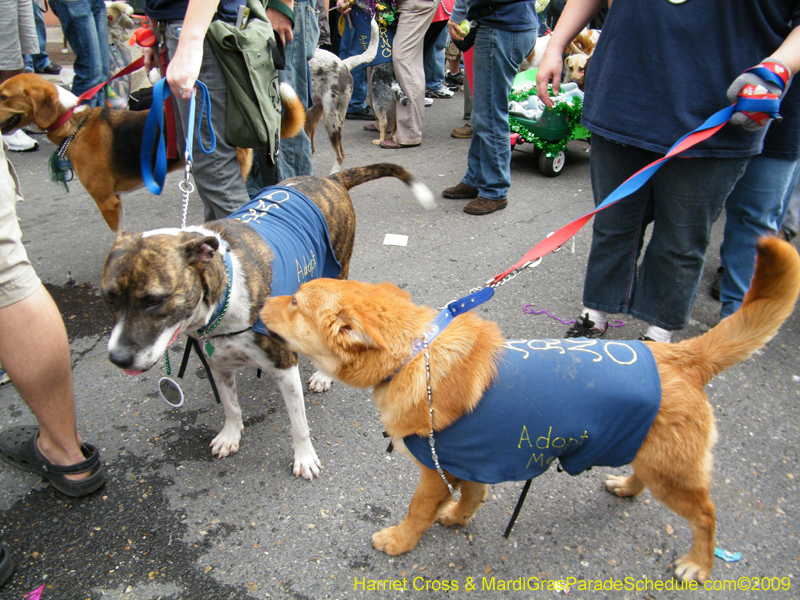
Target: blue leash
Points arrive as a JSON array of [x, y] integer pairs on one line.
[[154, 179]]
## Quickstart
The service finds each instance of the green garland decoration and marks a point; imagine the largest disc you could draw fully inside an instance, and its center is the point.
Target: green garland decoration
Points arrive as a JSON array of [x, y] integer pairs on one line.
[[571, 110], [384, 10]]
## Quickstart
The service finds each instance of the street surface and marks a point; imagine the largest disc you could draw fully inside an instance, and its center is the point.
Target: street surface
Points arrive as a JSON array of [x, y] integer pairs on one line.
[[175, 523]]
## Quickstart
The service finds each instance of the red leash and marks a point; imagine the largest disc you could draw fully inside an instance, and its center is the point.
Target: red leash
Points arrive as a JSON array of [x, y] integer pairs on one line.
[[89, 94]]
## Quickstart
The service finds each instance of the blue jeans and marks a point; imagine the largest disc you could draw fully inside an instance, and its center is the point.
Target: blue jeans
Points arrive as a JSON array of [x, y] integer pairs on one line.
[[36, 63], [294, 157], [682, 200], [755, 207], [434, 62], [350, 46], [85, 25], [496, 58]]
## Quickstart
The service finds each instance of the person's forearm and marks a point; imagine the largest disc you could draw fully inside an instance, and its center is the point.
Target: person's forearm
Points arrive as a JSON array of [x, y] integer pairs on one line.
[[198, 17], [576, 15], [789, 52]]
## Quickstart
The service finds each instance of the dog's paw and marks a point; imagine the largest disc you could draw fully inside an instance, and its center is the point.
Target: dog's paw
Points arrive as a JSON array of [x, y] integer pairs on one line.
[[452, 517], [319, 382], [391, 541], [624, 487], [226, 442], [376, 142], [306, 463], [689, 570]]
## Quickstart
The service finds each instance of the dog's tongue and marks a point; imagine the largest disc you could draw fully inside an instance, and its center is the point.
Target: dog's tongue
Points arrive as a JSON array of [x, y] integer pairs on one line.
[[175, 337], [131, 372]]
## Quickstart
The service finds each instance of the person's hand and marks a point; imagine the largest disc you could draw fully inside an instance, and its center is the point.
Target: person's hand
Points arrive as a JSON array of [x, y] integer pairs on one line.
[[550, 70], [150, 59], [766, 80], [455, 31], [281, 25], [344, 6], [183, 69]]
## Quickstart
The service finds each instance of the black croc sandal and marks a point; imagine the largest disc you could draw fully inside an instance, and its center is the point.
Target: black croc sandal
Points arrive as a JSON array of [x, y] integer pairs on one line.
[[6, 565], [18, 448]]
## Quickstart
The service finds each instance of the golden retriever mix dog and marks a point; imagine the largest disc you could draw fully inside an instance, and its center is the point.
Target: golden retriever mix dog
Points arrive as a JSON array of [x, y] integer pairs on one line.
[[363, 335]]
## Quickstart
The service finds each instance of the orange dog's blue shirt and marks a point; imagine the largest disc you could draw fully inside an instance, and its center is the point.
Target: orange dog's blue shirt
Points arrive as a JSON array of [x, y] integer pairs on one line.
[[584, 402]]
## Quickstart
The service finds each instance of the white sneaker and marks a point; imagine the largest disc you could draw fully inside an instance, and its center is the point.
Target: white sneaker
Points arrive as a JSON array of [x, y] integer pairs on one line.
[[428, 102], [20, 142]]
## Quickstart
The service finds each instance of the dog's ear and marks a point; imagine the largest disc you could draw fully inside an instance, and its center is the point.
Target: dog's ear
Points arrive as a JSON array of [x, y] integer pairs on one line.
[[201, 249], [44, 103], [354, 331]]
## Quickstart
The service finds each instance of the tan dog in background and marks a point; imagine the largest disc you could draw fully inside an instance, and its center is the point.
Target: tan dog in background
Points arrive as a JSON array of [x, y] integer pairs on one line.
[[106, 143], [362, 334]]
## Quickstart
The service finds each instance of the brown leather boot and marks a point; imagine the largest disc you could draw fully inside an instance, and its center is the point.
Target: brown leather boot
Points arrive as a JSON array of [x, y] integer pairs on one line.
[[484, 206], [463, 132], [462, 191]]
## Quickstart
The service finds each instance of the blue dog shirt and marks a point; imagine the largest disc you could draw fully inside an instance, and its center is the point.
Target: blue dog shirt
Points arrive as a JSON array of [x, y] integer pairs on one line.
[[586, 402], [298, 235]]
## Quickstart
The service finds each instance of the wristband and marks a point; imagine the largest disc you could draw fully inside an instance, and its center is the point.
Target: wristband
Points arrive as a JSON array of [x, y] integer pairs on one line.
[[281, 8]]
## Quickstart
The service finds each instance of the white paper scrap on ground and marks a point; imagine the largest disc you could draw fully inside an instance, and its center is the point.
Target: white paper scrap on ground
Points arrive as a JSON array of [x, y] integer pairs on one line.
[[394, 239]]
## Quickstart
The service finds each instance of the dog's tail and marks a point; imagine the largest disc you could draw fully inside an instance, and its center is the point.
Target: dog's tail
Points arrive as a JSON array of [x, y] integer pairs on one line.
[[294, 114], [399, 94], [769, 302], [353, 177], [370, 53]]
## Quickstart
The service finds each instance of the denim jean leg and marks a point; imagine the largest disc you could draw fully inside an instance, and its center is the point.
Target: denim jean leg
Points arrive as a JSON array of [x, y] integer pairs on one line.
[[434, 62], [688, 197], [294, 158], [348, 47], [496, 58], [754, 208], [36, 63], [85, 25], [617, 231], [217, 175]]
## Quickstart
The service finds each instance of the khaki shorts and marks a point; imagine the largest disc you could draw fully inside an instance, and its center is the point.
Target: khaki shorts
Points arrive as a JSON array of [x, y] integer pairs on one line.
[[18, 280], [452, 52]]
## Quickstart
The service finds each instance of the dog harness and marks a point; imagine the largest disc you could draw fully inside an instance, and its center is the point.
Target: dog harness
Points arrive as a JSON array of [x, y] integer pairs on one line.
[[296, 231], [584, 402]]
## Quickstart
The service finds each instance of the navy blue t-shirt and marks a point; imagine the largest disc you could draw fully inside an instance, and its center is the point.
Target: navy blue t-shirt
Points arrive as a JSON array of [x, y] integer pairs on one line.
[[509, 16], [175, 10], [661, 69], [584, 402]]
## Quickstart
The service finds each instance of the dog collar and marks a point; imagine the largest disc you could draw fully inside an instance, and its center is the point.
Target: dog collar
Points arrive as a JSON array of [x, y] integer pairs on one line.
[[439, 324], [222, 306], [442, 320]]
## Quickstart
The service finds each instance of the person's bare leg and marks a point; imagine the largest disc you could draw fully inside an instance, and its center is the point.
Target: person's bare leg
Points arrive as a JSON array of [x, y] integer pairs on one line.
[[34, 350]]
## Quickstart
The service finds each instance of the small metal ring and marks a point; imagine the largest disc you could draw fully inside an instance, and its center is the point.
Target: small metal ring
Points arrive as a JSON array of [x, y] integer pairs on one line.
[[183, 89], [186, 186]]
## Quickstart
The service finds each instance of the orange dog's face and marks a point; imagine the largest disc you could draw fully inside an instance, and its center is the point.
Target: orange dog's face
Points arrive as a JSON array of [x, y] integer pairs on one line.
[[28, 99], [336, 323]]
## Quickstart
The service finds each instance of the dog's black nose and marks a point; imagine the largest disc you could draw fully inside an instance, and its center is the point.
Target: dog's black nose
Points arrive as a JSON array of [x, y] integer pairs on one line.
[[123, 357]]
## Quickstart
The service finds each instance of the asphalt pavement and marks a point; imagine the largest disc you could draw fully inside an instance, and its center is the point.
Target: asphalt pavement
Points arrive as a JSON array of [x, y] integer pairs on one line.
[[173, 522]]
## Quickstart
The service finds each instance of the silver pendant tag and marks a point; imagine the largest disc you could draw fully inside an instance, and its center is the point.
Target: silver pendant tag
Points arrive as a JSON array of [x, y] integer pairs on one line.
[[171, 392]]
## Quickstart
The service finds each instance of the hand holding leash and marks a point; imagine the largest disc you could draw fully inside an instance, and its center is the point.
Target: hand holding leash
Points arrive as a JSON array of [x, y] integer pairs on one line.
[[765, 81]]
